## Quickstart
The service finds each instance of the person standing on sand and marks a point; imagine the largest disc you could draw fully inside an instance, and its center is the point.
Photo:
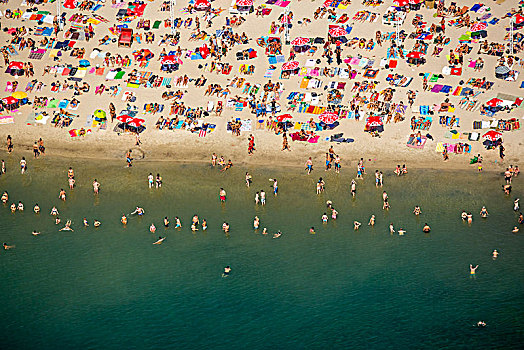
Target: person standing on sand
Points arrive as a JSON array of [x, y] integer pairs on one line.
[[285, 143], [501, 151]]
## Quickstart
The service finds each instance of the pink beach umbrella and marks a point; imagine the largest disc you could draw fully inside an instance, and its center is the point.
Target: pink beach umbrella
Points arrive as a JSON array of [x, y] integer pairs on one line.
[[291, 65], [335, 32], [478, 26], [300, 41], [492, 135], [328, 117]]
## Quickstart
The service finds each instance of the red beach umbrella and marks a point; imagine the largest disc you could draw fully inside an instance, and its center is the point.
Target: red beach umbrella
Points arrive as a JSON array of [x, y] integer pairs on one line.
[[244, 2], [300, 41], [478, 26], [291, 65], [492, 135], [335, 32], [328, 117], [494, 102], [283, 117], [374, 121], [202, 5], [401, 3], [415, 2], [415, 54], [327, 3], [136, 122], [125, 118], [16, 65]]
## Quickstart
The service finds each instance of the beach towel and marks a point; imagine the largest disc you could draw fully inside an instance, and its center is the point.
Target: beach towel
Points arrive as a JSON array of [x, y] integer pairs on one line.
[[412, 142], [6, 119], [436, 88], [63, 104], [52, 103], [37, 54]]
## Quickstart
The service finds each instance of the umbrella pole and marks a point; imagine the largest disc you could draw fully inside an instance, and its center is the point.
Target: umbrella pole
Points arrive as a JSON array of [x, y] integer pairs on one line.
[[511, 22]]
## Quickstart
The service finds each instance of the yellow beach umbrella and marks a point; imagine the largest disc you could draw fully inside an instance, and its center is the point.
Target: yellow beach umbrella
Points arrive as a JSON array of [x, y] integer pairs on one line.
[[19, 95]]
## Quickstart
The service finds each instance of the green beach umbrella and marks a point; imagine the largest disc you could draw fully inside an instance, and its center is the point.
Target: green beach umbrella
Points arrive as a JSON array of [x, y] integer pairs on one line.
[[100, 114]]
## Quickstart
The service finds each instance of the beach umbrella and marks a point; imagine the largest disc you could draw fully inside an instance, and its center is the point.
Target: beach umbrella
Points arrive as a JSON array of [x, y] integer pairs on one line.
[[19, 95], [328, 117], [202, 5], [244, 2], [494, 102], [169, 59], [70, 4], [492, 135], [401, 3], [327, 3], [300, 41], [478, 26], [335, 32], [100, 114], [124, 118], [16, 65], [415, 54], [502, 70], [283, 117], [415, 2], [291, 65], [84, 63], [136, 122], [374, 121]]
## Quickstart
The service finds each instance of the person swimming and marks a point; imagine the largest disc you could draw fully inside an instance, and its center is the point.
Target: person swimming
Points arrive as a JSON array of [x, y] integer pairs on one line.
[[96, 223], [495, 254], [166, 222], [264, 231], [36, 208], [227, 271], [178, 224], [312, 230], [160, 240], [426, 228], [5, 197], [277, 235], [7, 247], [356, 225], [256, 223], [371, 220], [222, 195], [417, 210], [325, 218], [484, 212], [20, 206], [391, 228], [123, 220], [13, 207], [225, 227], [35, 233], [67, 226], [515, 229], [204, 224], [152, 228], [194, 227], [85, 222], [472, 270], [54, 211], [464, 216]]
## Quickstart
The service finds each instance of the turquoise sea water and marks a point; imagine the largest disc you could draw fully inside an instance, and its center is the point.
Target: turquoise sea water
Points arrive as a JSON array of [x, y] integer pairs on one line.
[[111, 288]]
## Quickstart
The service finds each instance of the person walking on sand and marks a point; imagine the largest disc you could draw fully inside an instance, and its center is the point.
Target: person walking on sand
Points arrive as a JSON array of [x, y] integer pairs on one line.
[[129, 160]]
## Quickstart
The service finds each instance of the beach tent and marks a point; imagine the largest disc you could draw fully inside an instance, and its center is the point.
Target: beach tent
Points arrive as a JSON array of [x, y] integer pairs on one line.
[[202, 5], [126, 37]]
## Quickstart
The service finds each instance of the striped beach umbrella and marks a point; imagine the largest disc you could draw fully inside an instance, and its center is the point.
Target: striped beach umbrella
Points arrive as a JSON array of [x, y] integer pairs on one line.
[[478, 26], [328, 117], [335, 32], [244, 2], [300, 41], [291, 65]]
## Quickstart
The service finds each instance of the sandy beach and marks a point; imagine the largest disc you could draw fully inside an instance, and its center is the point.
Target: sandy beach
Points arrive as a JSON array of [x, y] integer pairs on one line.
[[181, 145]]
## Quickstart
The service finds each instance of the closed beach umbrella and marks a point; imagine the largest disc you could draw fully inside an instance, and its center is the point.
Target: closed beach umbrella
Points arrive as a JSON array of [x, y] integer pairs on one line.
[[328, 117], [492, 135], [478, 26], [300, 41], [19, 95], [100, 114], [335, 32], [494, 102], [291, 65], [374, 121]]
